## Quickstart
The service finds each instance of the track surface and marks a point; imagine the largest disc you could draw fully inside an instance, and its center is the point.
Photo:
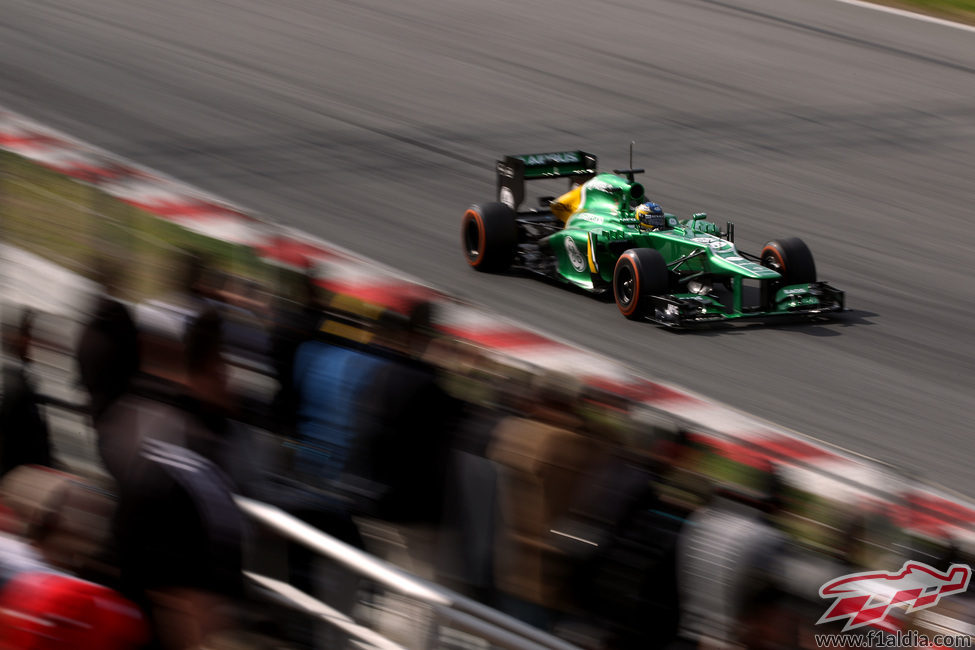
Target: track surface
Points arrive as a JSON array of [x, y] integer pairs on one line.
[[374, 125]]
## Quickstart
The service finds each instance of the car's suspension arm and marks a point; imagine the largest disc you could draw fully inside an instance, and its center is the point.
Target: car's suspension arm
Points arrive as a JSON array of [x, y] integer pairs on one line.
[[673, 266]]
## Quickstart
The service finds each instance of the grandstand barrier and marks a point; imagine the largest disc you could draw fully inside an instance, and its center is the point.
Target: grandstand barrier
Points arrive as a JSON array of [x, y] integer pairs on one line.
[[449, 609]]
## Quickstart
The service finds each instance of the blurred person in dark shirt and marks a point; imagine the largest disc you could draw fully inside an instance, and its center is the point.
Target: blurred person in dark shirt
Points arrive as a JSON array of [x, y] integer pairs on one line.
[[203, 414], [179, 536], [621, 534], [466, 536], [184, 398], [24, 436], [127, 408], [206, 401], [400, 455], [107, 351]]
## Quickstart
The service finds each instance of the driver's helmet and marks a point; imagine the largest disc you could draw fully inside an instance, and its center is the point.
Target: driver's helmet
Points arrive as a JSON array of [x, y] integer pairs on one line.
[[651, 215]]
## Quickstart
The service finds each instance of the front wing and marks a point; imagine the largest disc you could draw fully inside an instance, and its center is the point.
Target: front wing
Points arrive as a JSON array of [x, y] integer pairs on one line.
[[793, 301]]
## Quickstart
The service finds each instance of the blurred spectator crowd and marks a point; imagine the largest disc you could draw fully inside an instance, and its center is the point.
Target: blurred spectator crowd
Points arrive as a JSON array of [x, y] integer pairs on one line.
[[565, 506]]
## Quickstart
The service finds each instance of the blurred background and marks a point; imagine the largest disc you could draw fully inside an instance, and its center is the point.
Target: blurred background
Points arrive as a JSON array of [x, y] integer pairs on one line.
[[154, 354]]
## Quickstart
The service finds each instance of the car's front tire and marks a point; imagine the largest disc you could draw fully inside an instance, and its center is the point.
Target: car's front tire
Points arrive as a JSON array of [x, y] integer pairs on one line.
[[489, 236], [791, 259], [639, 274]]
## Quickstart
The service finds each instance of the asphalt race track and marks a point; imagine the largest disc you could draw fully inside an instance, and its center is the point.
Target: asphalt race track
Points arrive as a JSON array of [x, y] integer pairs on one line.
[[375, 124]]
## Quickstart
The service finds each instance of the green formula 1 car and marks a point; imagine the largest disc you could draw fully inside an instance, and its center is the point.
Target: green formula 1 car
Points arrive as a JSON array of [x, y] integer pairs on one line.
[[604, 235]]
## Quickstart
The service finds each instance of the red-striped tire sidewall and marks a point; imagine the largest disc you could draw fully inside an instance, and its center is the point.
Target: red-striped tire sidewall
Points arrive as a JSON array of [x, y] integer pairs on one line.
[[629, 258], [474, 214]]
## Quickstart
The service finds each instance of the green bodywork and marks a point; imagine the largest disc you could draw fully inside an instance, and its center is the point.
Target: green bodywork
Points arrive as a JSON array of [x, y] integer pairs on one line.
[[580, 237], [603, 226], [606, 218]]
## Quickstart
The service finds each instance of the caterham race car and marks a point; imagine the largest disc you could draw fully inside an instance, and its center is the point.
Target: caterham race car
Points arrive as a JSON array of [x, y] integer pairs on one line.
[[604, 235]]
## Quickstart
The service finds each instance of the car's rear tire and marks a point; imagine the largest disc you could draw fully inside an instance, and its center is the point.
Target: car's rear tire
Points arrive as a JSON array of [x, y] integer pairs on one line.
[[639, 274], [790, 258], [489, 236]]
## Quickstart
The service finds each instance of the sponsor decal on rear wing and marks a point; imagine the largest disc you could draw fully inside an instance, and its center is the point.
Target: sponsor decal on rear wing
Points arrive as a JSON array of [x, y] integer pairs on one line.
[[513, 171], [556, 164]]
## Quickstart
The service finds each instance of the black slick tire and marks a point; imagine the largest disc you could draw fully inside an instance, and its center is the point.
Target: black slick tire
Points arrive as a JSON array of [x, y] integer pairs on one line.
[[791, 258], [639, 274], [489, 236]]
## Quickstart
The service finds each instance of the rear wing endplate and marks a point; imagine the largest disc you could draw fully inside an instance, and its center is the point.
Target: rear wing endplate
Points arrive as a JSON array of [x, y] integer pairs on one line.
[[513, 171]]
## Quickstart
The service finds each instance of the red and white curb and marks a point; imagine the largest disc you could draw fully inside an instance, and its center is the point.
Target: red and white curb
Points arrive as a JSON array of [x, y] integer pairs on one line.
[[735, 434]]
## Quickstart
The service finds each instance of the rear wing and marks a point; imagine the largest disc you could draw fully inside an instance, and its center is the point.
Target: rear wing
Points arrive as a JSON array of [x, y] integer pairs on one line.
[[513, 171]]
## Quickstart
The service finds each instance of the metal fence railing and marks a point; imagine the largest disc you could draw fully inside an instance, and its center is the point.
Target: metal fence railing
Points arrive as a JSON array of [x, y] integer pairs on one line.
[[448, 611]]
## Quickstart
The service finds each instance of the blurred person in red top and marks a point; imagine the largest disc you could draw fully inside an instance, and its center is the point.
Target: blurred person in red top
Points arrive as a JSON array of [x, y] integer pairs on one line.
[[44, 601], [51, 611]]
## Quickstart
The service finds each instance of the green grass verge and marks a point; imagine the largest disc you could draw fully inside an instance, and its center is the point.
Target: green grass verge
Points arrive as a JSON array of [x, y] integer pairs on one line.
[[79, 226], [958, 10]]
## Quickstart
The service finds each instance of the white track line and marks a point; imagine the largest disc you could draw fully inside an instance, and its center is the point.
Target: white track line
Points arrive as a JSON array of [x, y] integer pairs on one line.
[[909, 14]]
